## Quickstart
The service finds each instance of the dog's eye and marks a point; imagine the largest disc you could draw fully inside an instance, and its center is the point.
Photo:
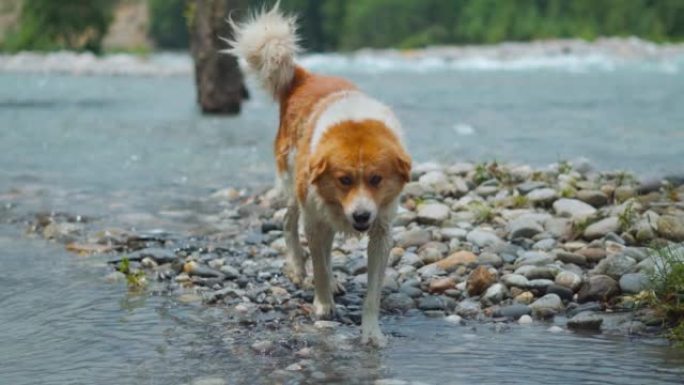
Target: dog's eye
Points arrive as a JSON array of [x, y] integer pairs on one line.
[[375, 180], [346, 180]]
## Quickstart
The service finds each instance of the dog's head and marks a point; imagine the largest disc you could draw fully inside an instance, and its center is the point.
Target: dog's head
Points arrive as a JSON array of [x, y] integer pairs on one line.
[[359, 168]]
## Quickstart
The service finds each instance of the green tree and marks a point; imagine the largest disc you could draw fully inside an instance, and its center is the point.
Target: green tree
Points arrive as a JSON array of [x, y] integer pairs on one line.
[[52, 25], [168, 27]]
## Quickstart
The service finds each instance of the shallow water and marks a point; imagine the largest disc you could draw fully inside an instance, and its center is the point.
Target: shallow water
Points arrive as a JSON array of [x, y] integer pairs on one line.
[[134, 152], [63, 324]]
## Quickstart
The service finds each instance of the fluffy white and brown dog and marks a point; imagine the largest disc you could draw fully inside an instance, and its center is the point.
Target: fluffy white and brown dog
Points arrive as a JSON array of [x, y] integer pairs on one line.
[[340, 161]]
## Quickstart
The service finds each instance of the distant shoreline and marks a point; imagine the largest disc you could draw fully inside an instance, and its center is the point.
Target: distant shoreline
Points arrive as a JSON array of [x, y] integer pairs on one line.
[[605, 54]]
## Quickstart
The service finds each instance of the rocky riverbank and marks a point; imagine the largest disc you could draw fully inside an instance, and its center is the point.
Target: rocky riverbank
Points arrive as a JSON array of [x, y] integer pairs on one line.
[[571, 55], [475, 243]]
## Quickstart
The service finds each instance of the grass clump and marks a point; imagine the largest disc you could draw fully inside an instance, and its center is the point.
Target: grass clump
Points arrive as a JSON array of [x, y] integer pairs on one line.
[[134, 278], [481, 211], [628, 216], [667, 289]]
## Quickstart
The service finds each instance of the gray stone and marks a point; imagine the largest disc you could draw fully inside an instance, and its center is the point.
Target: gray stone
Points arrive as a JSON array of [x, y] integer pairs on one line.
[[432, 213], [544, 244], [514, 311], [573, 258], [634, 283], [413, 189], [230, 272], [449, 233], [573, 208], [537, 258], [494, 294], [524, 228], [411, 259], [598, 288], [468, 308], [398, 302], [483, 238], [540, 284], [434, 302], [569, 280], [527, 187], [586, 320], [562, 291], [515, 280], [547, 306], [615, 266], [542, 196], [601, 228], [538, 272], [414, 237], [490, 259], [558, 227], [595, 198]]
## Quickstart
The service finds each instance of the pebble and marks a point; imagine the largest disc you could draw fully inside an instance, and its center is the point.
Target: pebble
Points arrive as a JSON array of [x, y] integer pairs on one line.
[[634, 283], [525, 320], [415, 237], [671, 227], [442, 284], [524, 298], [563, 292], [455, 319], [615, 266], [515, 280], [494, 294], [514, 311], [456, 259], [483, 238], [601, 228], [542, 196], [586, 320], [432, 213], [547, 306], [569, 280], [523, 227], [598, 288], [573, 209], [595, 198], [567, 257], [479, 280]]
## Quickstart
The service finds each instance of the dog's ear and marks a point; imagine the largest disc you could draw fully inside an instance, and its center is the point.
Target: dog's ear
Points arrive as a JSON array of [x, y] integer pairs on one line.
[[317, 167], [404, 167]]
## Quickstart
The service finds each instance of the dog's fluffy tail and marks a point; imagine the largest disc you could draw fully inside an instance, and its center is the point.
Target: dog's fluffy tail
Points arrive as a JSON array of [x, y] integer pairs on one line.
[[267, 41]]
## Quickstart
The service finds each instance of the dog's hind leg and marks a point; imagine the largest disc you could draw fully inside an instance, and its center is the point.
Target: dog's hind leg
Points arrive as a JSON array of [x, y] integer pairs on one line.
[[379, 246], [320, 237], [295, 267]]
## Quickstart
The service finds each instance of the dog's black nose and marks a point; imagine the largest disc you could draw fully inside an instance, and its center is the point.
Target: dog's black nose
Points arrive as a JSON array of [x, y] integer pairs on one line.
[[361, 216]]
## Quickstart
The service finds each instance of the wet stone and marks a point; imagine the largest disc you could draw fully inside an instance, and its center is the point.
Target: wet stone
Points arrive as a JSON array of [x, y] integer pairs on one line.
[[586, 320], [398, 302], [514, 311]]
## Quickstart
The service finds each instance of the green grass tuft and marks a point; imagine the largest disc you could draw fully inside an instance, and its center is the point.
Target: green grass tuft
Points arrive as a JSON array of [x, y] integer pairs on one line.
[[134, 278], [667, 287]]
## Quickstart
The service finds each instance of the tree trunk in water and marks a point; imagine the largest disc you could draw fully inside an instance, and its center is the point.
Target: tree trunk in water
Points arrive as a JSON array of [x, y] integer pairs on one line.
[[220, 85]]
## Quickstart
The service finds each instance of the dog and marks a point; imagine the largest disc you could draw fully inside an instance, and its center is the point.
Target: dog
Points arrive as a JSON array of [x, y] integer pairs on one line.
[[340, 158]]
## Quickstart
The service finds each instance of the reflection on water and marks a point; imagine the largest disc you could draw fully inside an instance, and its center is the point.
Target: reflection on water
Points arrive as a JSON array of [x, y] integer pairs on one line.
[[63, 324]]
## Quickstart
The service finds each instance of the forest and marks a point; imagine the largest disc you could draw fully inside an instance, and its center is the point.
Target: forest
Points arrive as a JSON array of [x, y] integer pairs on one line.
[[342, 25]]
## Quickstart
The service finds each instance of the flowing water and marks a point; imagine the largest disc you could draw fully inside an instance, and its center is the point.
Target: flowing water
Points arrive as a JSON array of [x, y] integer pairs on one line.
[[134, 152]]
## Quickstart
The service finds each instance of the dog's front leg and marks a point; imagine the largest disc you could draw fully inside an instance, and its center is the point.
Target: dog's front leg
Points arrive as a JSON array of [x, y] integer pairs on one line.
[[379, 246], [320, 237]]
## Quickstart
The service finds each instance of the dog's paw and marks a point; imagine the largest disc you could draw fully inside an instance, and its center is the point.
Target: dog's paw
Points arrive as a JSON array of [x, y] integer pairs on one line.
[[323, 311], [373, 337], [296, 274]]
